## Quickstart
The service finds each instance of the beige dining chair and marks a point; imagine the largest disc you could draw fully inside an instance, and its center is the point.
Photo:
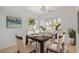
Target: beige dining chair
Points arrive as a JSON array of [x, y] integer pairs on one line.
[[55, 47], [62, 42], [22, 48], [56, 40]]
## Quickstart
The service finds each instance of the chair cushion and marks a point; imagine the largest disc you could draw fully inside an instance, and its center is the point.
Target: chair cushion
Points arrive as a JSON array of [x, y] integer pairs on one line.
[[53, 47]]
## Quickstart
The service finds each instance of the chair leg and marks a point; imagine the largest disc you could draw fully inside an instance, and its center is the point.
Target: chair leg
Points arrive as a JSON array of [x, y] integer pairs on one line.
[[30, 43], [47, 50], [36, 44], [34, 51], [63, 48], [18, 51]]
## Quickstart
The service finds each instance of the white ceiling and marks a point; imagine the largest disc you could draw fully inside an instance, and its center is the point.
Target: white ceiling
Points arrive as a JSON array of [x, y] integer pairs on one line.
[[37, 10], [49, 9]]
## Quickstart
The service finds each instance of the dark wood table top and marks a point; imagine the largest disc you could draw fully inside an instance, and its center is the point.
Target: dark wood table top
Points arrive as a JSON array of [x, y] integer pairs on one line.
[[39, 38]]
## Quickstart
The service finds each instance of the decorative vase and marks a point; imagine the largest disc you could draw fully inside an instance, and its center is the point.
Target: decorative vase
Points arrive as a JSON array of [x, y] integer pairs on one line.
[[73, 41]]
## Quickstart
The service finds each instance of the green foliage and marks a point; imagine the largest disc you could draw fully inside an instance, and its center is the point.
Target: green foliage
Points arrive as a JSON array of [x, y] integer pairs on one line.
[[31, 21], [57, 26], [42, 27], [72, 33]]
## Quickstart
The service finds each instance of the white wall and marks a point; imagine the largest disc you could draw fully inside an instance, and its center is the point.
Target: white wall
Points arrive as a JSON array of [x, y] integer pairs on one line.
[[7, 35]]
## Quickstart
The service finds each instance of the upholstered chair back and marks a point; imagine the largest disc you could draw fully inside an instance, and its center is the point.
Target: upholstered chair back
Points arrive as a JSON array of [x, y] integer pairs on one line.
[[20, 44], [59, 43]]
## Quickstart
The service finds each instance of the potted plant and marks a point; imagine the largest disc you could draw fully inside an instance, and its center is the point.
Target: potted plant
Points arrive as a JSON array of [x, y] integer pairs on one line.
[[72, 35]]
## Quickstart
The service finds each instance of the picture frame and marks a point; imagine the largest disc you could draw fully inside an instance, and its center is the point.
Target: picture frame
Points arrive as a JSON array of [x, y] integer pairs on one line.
[[13, 22]]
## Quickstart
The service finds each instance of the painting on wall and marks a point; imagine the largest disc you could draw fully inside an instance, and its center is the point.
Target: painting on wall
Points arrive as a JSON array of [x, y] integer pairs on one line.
[[13, 22]]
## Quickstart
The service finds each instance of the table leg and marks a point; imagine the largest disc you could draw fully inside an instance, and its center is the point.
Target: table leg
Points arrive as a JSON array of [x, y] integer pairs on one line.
[[42, 47], [56, 36], [26, 40]]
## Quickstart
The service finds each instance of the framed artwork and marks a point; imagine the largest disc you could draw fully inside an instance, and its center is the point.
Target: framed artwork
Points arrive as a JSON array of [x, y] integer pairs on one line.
[[13, 22]]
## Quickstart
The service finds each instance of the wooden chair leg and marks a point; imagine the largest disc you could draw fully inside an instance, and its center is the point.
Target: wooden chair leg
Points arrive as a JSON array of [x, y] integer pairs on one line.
[[34, 51], [36, 44], [62, 50], [18, 51], [47, 51], [30, 43], [51, 39]]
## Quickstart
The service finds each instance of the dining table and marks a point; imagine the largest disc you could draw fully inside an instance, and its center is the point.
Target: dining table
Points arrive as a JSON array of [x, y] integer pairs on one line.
[[40, 39]]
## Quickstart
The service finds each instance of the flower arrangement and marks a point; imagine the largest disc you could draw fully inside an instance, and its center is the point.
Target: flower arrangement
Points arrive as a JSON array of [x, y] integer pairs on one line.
[[31, 21], [42, 27], [57, 26]]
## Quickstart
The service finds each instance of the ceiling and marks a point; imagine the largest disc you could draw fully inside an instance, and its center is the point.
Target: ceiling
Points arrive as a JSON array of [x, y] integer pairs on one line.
[[37, 10], [49, 9]]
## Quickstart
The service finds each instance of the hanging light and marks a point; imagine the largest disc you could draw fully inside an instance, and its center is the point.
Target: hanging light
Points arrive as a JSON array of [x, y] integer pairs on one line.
[[43, 8]]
